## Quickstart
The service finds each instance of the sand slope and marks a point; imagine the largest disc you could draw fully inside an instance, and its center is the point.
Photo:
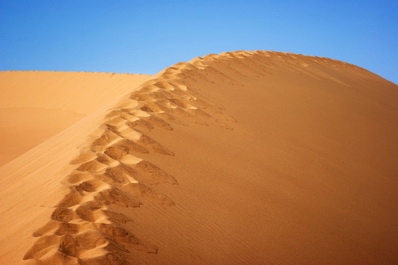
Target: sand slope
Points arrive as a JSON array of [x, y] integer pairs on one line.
[[237, 158], [41, 104]]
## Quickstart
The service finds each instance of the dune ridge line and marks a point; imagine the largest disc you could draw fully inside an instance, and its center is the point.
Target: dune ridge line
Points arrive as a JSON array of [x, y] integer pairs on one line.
[[238, 158], [109, 172]]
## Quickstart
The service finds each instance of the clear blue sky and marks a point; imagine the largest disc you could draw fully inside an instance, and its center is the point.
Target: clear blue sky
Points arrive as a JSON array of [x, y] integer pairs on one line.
[[143, 36]]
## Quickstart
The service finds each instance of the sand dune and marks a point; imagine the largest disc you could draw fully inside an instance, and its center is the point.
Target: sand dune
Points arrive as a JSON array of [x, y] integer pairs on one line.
[[42, 104], [237, 158]]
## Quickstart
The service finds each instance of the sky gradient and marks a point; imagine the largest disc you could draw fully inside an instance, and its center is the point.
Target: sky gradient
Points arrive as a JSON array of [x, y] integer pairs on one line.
[[146, 36]]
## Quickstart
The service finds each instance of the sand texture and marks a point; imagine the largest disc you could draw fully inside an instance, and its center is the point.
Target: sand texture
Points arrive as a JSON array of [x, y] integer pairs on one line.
[[237, 158], [37, 105]]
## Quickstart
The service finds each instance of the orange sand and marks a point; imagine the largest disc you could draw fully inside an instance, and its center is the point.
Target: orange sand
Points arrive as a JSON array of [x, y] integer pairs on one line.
[[237, 158], [37, 105]]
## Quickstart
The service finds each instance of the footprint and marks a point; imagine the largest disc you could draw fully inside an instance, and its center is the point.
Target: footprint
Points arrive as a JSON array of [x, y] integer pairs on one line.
[[117, 217], [117, 152], [76, 178], [160, 123], [164, 85], [124, 239], [106, 160], [115, 121], [92, 166], [67, 229], [130, 160], [179, 103], [41, 247], [123, 147], [92, 205], [117, 197], [63, 215], [155, 174], [152, 145], [141, 125], [68, 246], [104, 140], [90, 240], [49, 227], [138, 189], [116, 175], [85, 214], [70, 199], [125, 131], [151, 108], [92, 185]]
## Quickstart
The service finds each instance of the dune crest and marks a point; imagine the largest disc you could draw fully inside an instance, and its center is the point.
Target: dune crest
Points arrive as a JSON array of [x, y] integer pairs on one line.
[[237, 158], [87, 225]]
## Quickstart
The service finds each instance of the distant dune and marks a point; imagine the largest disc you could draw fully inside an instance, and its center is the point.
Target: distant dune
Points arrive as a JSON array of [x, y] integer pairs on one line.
[[237, 158], [37, 105]]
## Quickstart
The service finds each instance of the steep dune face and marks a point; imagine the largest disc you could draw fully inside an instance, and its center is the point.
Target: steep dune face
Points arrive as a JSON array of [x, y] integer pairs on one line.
[[237, 158], [37, 105]]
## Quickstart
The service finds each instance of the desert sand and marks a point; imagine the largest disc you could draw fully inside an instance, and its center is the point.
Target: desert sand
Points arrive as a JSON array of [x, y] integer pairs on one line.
[[237, 158], [37, 105]]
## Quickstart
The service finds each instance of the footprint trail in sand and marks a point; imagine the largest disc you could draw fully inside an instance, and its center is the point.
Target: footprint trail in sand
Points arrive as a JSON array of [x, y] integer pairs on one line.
[[86, 226]]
